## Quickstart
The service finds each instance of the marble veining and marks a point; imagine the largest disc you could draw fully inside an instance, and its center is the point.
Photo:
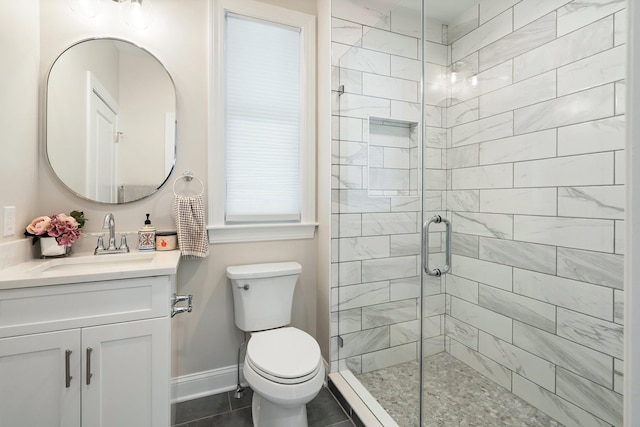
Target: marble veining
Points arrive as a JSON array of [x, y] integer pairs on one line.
[[404, 332], [531, 36], [526, 201], [366, 60], [562, 410], [601, 401], [589, 234], [517, 360], [584, 361], [595, 333], [572, 294], [464, 24], [462, 288], [363, 11], [527, 310], [483, 271], [489, 225], [593, 202], [484, 365], [592, 267], [519, 254], [530, 146], [486, 129], [360, 295], [590, 104], [525, 92], [364, 341], [388, 313], [577, 13], [482, 36], [464, 244], [462, 332], [389, 223], [579, 44], [389, 357], [482, 318]]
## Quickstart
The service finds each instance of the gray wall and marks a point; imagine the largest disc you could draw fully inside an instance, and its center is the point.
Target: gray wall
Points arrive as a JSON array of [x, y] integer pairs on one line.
[[33, 34], [20, 47]]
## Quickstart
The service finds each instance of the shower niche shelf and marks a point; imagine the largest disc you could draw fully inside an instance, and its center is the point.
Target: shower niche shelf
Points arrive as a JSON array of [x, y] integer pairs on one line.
[[393, 160]]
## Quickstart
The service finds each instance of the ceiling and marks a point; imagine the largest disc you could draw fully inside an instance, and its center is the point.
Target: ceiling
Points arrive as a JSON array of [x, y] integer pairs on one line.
[[447, 10]]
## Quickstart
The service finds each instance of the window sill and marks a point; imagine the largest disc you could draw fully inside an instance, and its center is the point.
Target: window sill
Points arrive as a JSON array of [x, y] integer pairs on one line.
[[260, 232]]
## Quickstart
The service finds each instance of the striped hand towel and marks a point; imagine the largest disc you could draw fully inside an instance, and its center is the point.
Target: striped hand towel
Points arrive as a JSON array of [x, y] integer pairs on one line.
[[192, 232]]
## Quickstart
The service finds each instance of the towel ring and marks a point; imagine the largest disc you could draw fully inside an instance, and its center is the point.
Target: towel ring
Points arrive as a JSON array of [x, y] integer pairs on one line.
[[187, 176]]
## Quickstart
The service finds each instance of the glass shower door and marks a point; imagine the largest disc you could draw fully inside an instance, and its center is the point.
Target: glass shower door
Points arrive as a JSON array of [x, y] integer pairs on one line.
[[377, 210]]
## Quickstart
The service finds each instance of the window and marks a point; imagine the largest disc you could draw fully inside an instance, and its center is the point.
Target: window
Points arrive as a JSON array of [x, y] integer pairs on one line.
[[262, 148]]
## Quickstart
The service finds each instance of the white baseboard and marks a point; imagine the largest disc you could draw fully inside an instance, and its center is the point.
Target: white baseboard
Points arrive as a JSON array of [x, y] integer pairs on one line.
[[200, 384]]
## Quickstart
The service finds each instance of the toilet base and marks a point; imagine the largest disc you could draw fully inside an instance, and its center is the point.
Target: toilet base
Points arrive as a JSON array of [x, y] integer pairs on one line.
[[268, 414]]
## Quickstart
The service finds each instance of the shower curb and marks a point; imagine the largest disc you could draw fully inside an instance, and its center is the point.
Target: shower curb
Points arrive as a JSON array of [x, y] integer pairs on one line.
[[354, 406]]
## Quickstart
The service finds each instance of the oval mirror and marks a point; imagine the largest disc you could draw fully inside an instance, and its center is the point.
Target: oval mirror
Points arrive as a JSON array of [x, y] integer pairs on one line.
[[110, 121]]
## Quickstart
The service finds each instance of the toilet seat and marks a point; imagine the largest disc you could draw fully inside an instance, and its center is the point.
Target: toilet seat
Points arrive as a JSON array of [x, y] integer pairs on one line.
[[284, 355]]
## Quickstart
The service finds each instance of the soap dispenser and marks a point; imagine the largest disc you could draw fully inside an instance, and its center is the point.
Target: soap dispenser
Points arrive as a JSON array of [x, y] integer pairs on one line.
[[147, 236]]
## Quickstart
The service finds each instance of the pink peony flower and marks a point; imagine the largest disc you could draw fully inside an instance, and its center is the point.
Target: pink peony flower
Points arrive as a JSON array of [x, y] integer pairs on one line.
[[39, 226], [65, 228]]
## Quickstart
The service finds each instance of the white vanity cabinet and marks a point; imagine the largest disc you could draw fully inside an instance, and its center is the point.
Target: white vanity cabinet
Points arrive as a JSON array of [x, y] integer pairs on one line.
[[86, 354]]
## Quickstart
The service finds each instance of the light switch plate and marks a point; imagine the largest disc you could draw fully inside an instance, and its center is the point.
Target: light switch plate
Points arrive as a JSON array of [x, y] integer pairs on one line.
[[8, 221]]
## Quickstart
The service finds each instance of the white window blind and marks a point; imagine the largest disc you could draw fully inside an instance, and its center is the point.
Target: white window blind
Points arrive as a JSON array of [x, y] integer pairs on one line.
[[263, 120]]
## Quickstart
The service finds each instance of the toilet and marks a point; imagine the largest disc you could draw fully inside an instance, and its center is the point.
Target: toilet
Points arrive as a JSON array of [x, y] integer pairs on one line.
[[283, 365]]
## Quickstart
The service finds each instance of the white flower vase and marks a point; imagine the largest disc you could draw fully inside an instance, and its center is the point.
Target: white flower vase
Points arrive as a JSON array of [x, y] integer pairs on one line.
[[49, 248]]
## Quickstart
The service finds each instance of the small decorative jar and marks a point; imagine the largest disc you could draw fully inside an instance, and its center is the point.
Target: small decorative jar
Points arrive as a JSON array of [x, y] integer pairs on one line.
[[166, 240], [49, 248]]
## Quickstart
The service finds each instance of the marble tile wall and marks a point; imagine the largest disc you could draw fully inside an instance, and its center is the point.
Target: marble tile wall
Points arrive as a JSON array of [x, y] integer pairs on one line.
[[524, 152], [536, 200]]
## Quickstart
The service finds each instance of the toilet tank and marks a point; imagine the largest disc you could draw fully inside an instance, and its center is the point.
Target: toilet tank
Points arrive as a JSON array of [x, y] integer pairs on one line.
[[263, 294]]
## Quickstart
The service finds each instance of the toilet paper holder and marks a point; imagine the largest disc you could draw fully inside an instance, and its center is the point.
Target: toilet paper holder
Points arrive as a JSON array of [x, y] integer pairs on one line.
[[180, 298]]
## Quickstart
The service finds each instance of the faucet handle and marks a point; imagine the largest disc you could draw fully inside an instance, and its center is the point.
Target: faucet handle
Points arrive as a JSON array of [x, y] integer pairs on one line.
[[100, 245], [123, 243]]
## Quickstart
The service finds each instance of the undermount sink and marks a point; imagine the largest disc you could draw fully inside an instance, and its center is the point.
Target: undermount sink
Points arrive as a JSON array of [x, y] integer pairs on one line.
[[94, 262]]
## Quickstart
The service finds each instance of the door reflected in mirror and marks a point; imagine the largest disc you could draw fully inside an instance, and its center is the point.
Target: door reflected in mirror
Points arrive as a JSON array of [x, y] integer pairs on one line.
[[110, 121]]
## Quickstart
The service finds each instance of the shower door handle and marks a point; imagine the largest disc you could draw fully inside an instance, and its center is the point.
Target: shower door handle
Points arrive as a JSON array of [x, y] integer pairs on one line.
[[425, 246]]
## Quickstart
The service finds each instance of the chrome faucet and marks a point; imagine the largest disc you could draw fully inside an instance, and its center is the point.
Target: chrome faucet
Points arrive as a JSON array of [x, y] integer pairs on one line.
[[110, 223]]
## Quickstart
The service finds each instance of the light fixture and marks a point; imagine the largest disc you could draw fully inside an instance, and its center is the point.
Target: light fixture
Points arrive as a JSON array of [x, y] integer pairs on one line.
[[136, 13], [88, 8]]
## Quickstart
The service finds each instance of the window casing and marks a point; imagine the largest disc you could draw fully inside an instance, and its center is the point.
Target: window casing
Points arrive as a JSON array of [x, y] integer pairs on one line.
[[262, 125]]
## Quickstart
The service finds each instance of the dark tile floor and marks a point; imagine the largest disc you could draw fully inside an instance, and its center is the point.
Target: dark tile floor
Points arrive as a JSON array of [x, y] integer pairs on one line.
[[224, 410]]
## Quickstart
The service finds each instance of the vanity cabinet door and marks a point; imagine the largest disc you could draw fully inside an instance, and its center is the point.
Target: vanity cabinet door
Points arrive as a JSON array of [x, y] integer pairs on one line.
[[33, 380], [126, 374]]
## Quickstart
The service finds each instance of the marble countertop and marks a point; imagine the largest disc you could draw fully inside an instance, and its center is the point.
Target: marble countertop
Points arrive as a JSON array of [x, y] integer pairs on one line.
[[87, 267]]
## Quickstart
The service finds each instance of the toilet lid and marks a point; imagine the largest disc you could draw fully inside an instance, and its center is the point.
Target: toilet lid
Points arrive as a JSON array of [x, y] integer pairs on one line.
[[284, 355]]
